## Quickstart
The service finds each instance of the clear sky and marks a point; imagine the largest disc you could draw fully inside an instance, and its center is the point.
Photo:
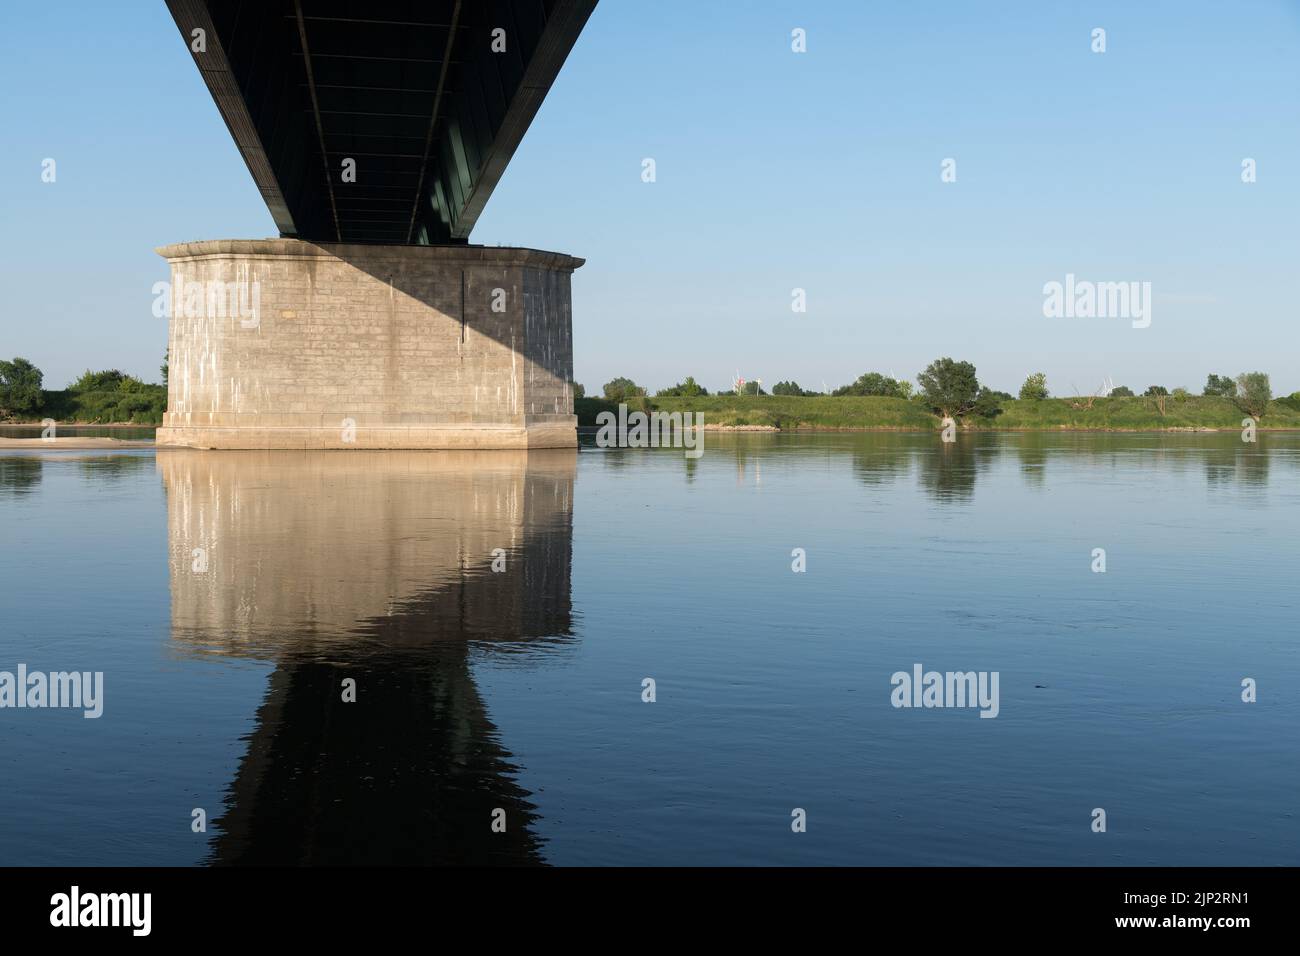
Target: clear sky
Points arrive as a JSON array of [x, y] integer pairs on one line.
[[775, 170]]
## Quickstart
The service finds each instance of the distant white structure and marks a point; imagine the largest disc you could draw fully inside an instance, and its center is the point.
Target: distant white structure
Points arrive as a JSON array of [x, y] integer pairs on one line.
[[738, 383]]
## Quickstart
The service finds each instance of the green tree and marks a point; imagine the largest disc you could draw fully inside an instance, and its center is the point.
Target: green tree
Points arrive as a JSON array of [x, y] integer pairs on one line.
[[113, 396], [1121, 391], [988, 403], [688, 389], [752, 388], [621, 389], [106, 381], [20, 387], [788, 388], [949, 387], [1035, 387], [1220, 385], [1155, 391], [872, 383], [1253, 393], [163, 368]]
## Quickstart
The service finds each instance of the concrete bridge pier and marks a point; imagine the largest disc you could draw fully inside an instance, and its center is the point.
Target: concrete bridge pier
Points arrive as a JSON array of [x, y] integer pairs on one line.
[[280, 343]]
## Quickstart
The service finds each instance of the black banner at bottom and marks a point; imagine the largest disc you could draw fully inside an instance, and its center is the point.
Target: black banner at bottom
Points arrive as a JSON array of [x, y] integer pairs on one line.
[[338, 905]]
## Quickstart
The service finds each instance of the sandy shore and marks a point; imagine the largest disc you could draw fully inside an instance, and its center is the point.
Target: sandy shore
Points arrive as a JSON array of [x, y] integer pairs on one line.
[[41, 424], [73, 443]]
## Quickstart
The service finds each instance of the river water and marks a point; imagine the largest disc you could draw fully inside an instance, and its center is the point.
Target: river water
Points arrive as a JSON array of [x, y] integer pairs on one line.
[[494, 618]]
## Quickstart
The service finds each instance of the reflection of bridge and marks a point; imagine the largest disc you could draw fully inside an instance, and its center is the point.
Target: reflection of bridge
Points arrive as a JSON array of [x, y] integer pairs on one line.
[[374, 567], [370, 130]]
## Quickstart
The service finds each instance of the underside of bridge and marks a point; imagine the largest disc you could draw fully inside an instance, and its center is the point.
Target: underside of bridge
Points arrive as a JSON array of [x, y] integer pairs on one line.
[[428, 98], [376, 133]]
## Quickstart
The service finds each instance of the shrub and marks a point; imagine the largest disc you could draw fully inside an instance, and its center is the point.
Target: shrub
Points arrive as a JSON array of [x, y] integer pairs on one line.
[[1035, 387], [873, 383], [109, 396], [689, 388], [988, 403], [621, 389]]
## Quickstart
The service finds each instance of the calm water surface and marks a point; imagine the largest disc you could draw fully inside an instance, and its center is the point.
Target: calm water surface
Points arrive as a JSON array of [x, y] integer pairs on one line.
[[521, 690]]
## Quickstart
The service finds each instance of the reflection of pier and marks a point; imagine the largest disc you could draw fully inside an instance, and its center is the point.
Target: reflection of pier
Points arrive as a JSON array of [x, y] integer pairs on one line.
[[374, 567]]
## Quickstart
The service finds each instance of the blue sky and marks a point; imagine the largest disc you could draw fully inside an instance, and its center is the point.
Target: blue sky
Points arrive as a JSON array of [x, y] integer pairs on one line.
[[775, 171]]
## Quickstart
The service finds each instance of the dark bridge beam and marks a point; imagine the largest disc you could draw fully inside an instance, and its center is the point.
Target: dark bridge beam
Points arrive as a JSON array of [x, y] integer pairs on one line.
[[560, 32], [214, 66], [410, 89]]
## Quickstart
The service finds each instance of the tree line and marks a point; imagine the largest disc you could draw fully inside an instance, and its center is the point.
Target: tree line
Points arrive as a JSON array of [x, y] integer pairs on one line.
[[947, 387], [109, 396], [952, 389]]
